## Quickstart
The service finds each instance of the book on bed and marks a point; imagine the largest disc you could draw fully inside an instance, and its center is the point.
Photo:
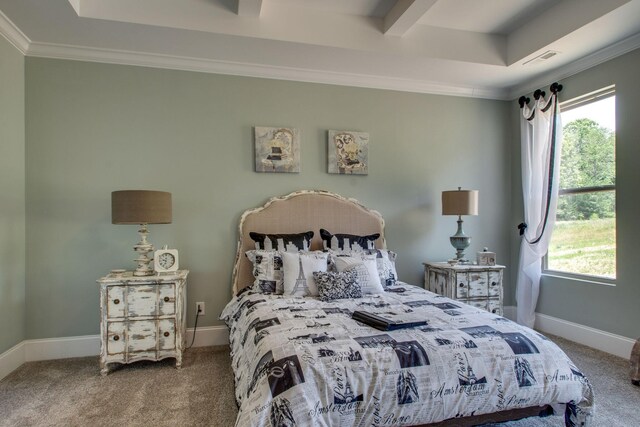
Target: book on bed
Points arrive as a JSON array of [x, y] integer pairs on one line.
[[385, 324]]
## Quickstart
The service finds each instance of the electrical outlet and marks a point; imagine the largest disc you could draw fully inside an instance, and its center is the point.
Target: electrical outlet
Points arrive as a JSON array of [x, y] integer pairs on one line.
[[200, 307]]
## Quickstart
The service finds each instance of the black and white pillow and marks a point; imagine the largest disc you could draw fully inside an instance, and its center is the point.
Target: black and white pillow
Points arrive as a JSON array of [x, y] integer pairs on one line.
[[283, 242], [386, 263], [268, 271], [333, 285], [365, 266], [347, 242]]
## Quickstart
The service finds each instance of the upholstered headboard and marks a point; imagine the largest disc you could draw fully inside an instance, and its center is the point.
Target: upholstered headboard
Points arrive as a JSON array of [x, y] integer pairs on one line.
[[298, 212]]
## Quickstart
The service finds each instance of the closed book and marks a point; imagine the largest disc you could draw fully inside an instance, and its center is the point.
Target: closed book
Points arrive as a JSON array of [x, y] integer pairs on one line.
[[384, 324]]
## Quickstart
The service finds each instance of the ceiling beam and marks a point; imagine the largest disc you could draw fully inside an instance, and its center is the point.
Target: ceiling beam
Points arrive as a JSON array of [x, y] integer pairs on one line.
[[404, 15], [249, 8]]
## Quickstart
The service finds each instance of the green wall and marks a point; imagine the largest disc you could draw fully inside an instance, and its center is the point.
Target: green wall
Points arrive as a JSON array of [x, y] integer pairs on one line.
[[12, 196], [94, 128], [609, 308]]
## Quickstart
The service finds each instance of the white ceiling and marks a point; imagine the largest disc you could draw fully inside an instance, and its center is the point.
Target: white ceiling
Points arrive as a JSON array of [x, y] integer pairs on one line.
[[459, 47]]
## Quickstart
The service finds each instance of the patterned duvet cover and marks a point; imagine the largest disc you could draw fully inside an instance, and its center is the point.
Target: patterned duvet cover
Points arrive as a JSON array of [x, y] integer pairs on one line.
[[303, 362]]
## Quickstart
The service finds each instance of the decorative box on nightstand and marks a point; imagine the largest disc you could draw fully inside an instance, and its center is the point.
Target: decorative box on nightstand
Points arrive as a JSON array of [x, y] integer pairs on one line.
[[476, 285], [142, 318]]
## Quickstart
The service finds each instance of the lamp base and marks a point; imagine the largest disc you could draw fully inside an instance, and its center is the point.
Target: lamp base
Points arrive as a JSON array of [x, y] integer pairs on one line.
[[143, 248], [460, 242]]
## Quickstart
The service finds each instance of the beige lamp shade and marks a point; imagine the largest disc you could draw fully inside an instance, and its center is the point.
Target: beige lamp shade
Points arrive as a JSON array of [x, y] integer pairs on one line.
[[140, 207], [460, 202]]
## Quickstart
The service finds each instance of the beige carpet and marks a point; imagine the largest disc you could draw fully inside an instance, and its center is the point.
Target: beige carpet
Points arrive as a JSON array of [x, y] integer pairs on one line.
[[71, 392]]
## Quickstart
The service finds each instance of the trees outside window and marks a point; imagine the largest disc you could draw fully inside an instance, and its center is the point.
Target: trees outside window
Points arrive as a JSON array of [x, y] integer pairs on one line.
[[584, 238]]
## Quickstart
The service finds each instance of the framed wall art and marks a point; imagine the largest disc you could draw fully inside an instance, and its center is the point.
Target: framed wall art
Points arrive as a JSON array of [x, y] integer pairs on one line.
[[348, 152], [277, 149]]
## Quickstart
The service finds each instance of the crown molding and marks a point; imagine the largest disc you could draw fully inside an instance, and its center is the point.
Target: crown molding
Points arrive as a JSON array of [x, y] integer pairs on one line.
[[144, 59], [13, 34], [154, 60], [577, 66]]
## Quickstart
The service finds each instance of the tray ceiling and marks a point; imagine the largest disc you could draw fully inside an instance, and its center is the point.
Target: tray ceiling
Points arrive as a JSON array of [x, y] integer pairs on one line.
[[458, 47]]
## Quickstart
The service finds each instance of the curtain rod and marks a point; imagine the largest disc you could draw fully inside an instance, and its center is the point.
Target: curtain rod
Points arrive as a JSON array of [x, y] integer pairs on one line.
[[554, 88]]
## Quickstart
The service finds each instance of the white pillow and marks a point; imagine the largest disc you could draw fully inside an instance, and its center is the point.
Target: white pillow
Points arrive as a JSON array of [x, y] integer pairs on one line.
[[302, 283], [366, 267]]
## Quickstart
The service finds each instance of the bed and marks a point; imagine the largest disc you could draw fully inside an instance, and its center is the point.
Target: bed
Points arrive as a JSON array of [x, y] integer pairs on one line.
[[300, 361]]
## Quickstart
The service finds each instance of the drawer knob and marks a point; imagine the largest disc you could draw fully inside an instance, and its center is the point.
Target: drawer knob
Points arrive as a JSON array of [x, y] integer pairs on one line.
[[116, 338], [494, 310], [166, 299], [462, 285], [166, 334], [493, 283], [116, 301]]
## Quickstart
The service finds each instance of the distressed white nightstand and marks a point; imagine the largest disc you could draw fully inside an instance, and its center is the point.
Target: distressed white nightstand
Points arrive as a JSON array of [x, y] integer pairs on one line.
[[142, 318], [476, 285]]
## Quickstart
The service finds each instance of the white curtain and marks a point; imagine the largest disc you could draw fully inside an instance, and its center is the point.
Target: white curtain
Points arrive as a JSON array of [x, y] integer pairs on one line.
[[541, 139]]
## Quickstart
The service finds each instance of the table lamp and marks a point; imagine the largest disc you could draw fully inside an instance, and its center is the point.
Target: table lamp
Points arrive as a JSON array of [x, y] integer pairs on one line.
[[141, 207], [460, 202]]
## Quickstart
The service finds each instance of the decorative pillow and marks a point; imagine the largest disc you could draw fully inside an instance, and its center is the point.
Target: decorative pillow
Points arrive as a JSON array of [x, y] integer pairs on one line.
[[333, 285], [298, 272], [386, 263], [283, 242], [366, 268], [347, 241], [268, 271]]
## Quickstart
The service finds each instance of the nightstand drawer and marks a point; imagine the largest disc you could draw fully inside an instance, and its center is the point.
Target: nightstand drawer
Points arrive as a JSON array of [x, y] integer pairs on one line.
[[166, 299], [478, 284], [142, 336], [495, 306], [141, 300], [115, 301], [495, 281], [166, 334], [462, 285], [482, 304], [490, 305], [116, 338]]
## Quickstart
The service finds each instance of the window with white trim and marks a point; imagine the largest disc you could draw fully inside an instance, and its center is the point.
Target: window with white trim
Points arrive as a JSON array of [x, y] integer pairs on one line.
[[583, 242]]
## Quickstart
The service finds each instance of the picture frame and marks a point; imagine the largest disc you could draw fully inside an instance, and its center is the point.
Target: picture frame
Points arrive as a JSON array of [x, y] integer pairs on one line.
[[277, 149], [348, 152]]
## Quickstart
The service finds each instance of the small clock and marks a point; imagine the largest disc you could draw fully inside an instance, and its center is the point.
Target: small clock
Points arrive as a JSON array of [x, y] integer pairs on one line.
[[165, 260]]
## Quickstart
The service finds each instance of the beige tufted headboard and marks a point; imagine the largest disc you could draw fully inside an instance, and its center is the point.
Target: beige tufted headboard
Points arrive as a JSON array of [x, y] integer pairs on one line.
[[298, 212]]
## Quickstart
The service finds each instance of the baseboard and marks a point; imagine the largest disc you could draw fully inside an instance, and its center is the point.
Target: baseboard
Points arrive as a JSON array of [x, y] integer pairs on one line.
[[11, 359], [209, 335], [595, 338], [61, 348], [591, 337], [88, 345]]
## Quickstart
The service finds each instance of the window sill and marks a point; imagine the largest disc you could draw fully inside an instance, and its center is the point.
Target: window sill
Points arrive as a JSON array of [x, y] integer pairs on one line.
[[594, 280]]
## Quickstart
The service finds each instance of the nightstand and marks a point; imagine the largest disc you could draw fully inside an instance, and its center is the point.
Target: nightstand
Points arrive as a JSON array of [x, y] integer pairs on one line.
[[142, 318], [476, 285]]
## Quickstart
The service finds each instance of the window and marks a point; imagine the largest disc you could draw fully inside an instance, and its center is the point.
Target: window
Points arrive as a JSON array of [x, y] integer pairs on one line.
[[584, 237]]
